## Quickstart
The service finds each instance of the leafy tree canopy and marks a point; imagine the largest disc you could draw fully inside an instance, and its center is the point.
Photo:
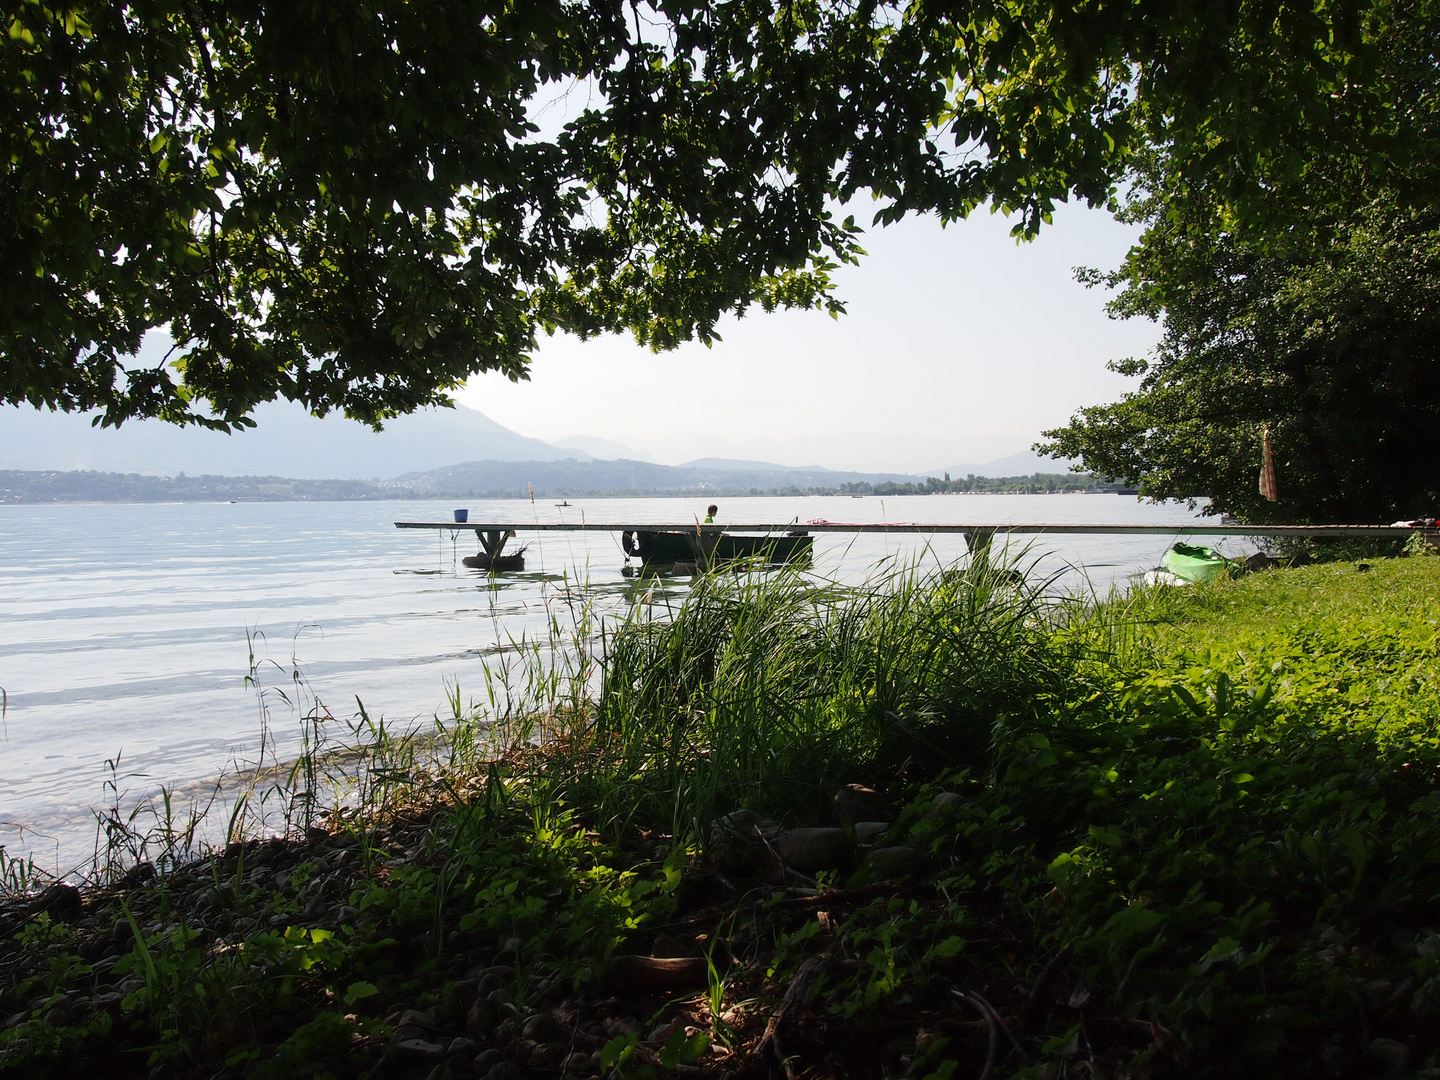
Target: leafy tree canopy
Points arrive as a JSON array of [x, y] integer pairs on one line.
[[1319, 323], [352, 206], [1335, 350]]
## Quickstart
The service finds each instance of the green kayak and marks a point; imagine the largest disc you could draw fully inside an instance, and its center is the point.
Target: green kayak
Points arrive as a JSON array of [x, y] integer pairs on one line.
[[1194, 563]]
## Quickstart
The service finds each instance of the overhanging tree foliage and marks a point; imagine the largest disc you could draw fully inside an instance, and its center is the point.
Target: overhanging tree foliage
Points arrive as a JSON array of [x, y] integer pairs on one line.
[[1320, 323], [1334, 348], [350, 204]]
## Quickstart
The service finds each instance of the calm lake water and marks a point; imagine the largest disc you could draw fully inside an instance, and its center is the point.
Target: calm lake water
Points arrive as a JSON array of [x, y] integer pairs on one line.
[[127, 632]]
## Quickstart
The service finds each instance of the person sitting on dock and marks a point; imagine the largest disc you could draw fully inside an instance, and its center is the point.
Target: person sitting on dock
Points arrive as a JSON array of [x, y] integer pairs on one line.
[[710, 512]]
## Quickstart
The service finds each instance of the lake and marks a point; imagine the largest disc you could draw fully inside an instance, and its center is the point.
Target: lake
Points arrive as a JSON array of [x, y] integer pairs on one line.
[[127, 632]]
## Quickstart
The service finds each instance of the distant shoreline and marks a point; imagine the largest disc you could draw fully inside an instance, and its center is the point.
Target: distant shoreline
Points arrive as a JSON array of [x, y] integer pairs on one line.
[[42, 487]]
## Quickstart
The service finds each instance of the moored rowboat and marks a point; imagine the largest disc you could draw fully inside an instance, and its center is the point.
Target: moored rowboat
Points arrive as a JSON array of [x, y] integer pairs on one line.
[[661, 548]]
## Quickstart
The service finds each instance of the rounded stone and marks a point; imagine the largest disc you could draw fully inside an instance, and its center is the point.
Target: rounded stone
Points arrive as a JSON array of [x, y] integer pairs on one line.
[[813, 850], [481, 1018], [542, 1027], [947, 802], [487, 1059], [1388, 1054], [856, 802], [867, 832]]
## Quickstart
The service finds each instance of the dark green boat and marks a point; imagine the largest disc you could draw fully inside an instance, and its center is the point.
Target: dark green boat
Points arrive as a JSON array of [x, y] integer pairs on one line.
[[664, 549]]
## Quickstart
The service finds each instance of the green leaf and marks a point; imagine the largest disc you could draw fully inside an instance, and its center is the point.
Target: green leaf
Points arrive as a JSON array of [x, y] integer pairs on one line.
[[359, 991]]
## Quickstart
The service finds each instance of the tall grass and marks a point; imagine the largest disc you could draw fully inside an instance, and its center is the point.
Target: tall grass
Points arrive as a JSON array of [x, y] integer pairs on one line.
[[766, 690]]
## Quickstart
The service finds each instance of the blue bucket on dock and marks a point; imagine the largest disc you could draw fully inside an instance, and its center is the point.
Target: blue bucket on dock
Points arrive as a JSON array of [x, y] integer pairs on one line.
[[462, 516]]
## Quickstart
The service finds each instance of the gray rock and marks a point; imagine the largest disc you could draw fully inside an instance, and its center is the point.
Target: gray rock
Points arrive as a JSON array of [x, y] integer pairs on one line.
[[856, 802], [1390, 1055], [625, 1025], [60, 901], [503, 1070], [481, 1018], [461, 1047], [416, 1018], [812, 850], [867, 832], [420, 1048], [577, 1063], [487, 1059], [542, 1027], [944, 803], [738, 839]]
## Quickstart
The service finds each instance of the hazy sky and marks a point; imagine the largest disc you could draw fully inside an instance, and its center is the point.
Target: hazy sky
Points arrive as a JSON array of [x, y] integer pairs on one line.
[[960, 346]]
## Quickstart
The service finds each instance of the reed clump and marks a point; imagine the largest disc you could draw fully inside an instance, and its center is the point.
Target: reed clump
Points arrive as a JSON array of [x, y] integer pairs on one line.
[[767, 691]]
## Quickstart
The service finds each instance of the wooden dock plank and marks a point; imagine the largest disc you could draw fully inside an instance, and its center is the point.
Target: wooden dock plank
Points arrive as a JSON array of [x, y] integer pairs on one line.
[[998, 528]]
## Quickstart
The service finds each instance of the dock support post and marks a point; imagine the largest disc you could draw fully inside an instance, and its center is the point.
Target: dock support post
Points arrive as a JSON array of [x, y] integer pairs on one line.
[[977, 541], [492, 541]]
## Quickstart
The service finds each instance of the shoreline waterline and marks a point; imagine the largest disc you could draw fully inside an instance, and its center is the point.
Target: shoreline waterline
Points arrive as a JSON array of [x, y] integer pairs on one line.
[[140, 645]]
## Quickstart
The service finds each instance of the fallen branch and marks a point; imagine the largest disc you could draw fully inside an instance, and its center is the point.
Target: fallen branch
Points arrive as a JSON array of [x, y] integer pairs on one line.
[[992, 1022], [1040, 992], [798, 990]]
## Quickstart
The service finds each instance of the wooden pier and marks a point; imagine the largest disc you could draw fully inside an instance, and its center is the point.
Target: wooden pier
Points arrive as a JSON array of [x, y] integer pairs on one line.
[[979, 536]]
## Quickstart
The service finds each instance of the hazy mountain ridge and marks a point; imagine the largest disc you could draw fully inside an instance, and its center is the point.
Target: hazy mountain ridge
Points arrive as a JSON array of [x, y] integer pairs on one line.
[[445, 444], [287, 441], [501, 478]]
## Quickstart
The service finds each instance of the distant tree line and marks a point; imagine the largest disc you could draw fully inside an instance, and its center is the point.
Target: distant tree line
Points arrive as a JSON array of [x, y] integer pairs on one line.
[[89, 486], [1034, 484]]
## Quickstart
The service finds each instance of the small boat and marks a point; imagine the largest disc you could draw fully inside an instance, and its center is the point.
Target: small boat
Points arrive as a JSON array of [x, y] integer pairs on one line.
[[562, 504], [499, 564], [681, 550], [1192, 563]]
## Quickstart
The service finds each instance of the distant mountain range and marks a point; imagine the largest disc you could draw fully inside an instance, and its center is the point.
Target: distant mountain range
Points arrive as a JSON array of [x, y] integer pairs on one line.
[[516, 478], [449, 451], [287, 441]]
